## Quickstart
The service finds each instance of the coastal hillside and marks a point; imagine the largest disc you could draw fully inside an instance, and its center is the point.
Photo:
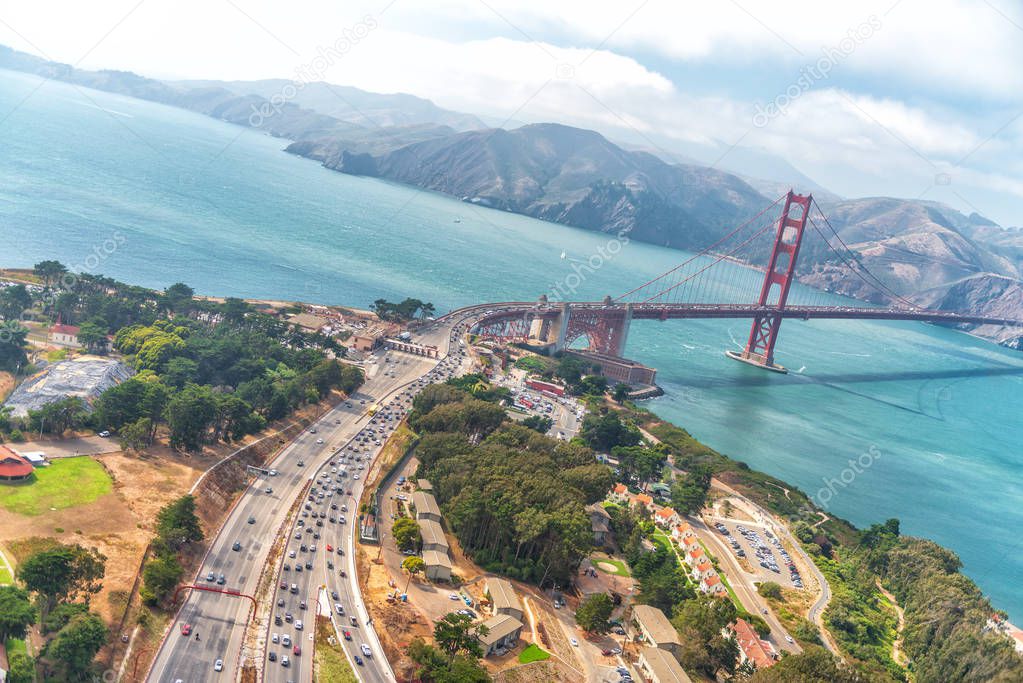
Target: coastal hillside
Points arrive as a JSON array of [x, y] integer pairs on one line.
[[923, 251], [565, 175]]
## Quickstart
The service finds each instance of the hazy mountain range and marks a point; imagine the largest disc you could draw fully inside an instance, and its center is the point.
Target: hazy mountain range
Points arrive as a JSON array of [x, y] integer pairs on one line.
[[925, 251]]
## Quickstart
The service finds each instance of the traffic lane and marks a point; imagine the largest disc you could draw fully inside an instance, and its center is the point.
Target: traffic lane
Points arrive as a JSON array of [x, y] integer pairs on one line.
[[305, 581], [253, 504]]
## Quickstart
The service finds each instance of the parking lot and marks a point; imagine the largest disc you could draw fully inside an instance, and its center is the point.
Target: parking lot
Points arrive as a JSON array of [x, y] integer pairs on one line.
[[765, 553]]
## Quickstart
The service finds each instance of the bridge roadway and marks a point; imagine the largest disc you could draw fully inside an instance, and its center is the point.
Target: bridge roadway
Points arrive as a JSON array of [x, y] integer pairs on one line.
[[655, 311], [219, 619]]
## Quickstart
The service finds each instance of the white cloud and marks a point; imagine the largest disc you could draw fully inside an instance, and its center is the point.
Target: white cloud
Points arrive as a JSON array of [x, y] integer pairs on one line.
[[872, 126]]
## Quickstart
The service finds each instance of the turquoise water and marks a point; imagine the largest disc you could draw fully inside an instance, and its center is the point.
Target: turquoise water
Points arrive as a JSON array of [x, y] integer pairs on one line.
[[154, 195]]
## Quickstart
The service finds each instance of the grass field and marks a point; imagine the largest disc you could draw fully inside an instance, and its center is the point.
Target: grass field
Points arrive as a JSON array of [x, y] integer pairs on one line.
[[67, 482], [331, 665], [14, 646], [620, 568], [5, 575], [532, 653]]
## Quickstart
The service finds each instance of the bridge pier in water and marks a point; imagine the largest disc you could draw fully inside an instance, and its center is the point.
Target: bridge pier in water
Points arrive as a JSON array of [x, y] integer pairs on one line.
[[774, 292]]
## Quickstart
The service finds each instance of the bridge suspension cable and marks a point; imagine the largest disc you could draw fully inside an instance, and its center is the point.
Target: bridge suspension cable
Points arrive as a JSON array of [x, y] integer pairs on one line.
[[706, 251], [852, 262]]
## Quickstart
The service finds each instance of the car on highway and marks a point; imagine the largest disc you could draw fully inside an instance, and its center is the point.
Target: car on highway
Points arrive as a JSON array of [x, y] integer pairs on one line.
[[272, 656], [298, 624], [252, 520], [358, 660], [348, 635], [186, 629], [285, 661], [221, 580], [237, 546], [365, 650], [269, 489], [218, 665], [297, 650], [211, 577]]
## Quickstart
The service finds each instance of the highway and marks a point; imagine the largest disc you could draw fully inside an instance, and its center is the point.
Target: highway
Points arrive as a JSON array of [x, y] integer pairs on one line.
[[219, 620], [320, 564]]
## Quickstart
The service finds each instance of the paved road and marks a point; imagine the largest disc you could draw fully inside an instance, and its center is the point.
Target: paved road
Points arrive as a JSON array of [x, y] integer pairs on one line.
[[219, 620], [340, 480]]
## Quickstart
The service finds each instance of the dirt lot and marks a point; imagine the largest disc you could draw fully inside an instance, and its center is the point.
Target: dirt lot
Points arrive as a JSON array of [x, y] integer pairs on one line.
[[116, 524]]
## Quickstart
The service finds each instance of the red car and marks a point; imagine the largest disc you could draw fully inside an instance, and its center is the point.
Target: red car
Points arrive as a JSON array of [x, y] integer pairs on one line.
[[185, 629], [297, 650], [330, 548], [348, 635], [284, 585]]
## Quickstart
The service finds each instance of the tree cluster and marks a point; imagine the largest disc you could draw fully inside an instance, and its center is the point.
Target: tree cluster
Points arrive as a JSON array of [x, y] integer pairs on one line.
[[514, 498], [403, 311], [57, 576], [177, 527]]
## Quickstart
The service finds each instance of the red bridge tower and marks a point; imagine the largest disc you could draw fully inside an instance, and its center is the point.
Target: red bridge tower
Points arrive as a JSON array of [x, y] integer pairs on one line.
[[759, 349]]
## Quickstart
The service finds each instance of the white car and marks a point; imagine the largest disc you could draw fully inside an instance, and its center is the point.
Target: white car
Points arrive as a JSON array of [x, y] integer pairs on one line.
[[575, 643], [218, 665], [366, 651], [274, 638], [298, 624]]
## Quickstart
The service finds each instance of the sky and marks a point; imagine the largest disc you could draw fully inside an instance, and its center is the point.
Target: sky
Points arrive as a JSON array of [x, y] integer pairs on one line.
[[908, 98]]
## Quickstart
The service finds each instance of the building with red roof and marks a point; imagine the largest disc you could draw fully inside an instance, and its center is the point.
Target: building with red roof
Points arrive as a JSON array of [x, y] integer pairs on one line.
[[13, 467], [751, 647], [65, 335]]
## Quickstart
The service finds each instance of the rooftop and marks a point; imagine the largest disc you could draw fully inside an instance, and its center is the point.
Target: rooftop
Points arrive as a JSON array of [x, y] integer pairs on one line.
[[432, 532], [653, 622], [502, 594], [425, 503], [664, 666], [752, 646], [435, 558], [424, 484], [85, 377], [12, 464], [499, 627]]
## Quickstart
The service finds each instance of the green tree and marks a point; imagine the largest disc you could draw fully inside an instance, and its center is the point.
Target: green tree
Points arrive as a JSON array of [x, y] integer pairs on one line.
[[413, 565], [539, 423], [689, 494], [137, 435], [621, 393], [49, 271], [594, 613], [190, 415], [406, 533], [813, 665], [61, 615], [160, 577], [177, 524], [433, 666], [93, 334], [16, 612], [13, 301], [76, 645], [604, 432], [700, 624], [22, 668], [455, 634], [770, 589], [12, 346], [62, 573]]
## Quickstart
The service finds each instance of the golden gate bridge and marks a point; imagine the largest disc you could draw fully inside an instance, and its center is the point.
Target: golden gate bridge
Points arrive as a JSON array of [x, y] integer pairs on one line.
[[728, 279]]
